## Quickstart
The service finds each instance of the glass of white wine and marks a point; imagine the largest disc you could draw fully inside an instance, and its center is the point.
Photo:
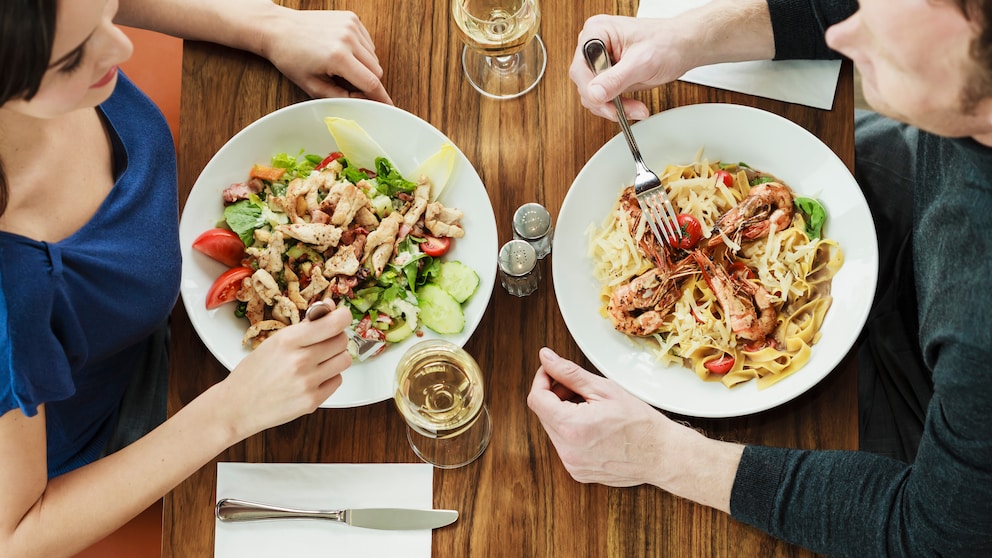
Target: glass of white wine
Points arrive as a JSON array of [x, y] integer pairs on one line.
[[503, 56], [439, 392]]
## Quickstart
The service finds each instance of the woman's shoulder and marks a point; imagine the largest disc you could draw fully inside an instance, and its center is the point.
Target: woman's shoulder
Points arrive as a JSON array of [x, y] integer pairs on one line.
[[134, 116]]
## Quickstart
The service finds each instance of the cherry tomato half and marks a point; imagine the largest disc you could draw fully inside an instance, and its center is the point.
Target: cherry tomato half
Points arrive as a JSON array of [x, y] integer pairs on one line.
[[726, 177], [720, 365], [227, 286], [692, 231], [435, 246], [222, 245]]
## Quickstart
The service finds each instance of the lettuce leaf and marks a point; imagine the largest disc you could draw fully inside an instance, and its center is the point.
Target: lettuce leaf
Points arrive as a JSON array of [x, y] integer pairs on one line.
[[244, 217]]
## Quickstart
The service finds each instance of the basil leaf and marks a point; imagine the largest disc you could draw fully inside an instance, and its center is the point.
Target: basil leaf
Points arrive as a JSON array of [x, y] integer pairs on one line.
[[813, 213]]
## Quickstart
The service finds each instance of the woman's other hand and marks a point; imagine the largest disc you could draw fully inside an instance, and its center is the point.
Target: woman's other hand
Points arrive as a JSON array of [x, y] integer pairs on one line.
[[327, 53]]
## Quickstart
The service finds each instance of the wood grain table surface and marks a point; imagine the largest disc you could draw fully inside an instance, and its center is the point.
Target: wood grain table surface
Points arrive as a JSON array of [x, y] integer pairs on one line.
[[517, 500]]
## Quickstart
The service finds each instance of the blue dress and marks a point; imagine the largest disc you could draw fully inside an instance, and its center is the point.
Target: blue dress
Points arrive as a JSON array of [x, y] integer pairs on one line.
[[76, 315]]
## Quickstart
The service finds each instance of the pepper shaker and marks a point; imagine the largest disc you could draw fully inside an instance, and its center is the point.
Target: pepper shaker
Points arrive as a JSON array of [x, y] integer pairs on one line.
[[518, 269], [532, 223]]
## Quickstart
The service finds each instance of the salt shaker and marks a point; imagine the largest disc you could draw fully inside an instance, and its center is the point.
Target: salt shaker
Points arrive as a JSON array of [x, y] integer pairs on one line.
[[532, 223], [518, 269]]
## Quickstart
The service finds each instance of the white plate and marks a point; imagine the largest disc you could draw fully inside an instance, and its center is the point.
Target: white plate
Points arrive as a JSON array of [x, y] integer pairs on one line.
[[730, 133], [409, 141]]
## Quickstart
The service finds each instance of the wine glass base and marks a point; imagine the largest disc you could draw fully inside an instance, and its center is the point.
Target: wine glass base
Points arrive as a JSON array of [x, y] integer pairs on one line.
[[506, 77], [457, 451]]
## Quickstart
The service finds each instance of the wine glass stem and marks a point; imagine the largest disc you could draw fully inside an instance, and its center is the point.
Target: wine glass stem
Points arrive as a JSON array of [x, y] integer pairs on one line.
[[506, 63]]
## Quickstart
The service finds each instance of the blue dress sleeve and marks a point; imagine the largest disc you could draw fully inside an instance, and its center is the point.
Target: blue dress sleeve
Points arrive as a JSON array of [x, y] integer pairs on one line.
[[36, 352]]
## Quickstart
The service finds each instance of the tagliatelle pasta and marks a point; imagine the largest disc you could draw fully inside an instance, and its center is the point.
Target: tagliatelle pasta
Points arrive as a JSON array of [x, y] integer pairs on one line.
[[771, 273]]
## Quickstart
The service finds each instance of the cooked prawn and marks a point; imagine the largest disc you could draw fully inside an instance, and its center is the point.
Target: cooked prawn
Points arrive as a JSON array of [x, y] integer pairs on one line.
[[639, 306], [766, 204], [747, 306]]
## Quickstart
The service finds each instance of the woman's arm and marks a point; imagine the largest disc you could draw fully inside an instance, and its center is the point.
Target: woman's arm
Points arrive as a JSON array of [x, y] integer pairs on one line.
[[289, 375], [312, 48]]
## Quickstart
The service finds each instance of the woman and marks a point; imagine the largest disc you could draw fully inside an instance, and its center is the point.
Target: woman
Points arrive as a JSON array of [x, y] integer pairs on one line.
[[90, 265]]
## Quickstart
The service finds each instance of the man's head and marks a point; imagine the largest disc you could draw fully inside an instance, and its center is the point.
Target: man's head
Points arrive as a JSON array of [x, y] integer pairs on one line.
[[925, 62]]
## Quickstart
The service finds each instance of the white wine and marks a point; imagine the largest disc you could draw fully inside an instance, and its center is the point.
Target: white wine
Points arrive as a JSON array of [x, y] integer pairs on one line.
[[439, 389], [496, 28]]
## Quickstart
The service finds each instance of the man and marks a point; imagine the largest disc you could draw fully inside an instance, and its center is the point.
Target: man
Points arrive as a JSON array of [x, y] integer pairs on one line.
[[923, 484]]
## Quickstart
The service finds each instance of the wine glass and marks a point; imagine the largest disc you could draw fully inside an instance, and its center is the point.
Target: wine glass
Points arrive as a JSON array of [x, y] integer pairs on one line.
[[439, 392], [503, 56]]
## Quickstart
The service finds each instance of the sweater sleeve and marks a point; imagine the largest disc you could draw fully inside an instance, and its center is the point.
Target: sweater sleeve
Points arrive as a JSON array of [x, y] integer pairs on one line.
[[859, 504], [799, 26]]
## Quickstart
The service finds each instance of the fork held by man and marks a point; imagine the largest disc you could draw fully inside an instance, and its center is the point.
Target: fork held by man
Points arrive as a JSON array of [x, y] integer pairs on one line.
[[651, 195]]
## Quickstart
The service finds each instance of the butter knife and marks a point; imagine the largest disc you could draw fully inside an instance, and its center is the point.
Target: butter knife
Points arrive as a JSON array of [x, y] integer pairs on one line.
[[230, 509]]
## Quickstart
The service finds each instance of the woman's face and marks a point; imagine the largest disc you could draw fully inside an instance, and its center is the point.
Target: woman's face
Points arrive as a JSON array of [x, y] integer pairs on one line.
[[914, 63], [85, 54]]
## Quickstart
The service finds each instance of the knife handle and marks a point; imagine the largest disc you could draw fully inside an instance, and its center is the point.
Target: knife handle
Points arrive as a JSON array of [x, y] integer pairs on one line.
[[230, 509]]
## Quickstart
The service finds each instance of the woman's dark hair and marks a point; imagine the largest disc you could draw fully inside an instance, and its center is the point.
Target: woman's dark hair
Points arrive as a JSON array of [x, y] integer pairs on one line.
[[27, 31]]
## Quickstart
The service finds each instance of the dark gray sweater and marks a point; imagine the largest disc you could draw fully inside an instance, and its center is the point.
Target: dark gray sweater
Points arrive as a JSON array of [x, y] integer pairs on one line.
[[859, 504]]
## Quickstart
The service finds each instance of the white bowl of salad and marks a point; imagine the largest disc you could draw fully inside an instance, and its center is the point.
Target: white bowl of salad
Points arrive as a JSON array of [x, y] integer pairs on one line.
[[349, 199]]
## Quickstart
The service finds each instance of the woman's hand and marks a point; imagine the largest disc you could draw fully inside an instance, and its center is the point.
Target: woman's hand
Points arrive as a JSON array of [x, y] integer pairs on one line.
[[327, 53], [290, 374]]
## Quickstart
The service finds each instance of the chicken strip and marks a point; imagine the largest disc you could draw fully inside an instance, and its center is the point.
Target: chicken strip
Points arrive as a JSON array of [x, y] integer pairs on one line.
[[321, 236], [443, 221], [380, 242], [270, 257], [343, 262], [265, 286], [421, 196]]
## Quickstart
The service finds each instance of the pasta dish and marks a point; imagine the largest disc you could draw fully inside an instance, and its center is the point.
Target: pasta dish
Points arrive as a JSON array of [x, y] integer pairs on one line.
[[741, 295]]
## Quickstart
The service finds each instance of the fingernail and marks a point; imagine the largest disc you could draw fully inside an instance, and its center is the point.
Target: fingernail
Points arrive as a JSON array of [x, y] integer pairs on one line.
[[549, 355], [597, 93], [638, 114]]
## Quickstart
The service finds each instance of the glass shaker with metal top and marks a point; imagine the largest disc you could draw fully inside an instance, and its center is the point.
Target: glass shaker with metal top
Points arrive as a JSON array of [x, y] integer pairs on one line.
[[518, 269], [532, 223]]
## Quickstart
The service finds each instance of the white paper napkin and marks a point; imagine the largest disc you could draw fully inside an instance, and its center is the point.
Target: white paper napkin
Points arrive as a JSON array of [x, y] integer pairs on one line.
[[323, 486], [806, 82]]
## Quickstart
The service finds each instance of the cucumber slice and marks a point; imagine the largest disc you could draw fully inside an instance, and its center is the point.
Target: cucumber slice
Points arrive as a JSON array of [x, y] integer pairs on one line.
[[400, 331], [458, 279], [439, 310]]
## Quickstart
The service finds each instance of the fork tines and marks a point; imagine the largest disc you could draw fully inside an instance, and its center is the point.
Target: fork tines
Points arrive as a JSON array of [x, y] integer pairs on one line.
[[655, 204]]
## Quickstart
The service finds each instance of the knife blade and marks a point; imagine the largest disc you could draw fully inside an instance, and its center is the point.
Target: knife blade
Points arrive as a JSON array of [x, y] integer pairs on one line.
[[231, 509]]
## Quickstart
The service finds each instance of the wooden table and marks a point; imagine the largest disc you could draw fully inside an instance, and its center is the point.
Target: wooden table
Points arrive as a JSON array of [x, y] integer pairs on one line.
[[517, 500]]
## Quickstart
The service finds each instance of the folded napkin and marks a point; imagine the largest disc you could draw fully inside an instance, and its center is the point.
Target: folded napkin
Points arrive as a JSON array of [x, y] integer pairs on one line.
[[806, 82], [323, 486]]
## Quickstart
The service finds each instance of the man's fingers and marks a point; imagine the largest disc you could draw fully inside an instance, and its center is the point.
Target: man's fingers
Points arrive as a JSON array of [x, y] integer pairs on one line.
[[571, 376]]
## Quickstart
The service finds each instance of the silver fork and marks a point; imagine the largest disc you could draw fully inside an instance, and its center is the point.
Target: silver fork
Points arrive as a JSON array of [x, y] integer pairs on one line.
[[651, 195], [363, 348]]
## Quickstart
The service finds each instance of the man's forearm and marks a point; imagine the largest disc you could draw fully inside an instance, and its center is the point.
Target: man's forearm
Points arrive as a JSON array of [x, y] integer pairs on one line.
[[697, 468], [728, 31]]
